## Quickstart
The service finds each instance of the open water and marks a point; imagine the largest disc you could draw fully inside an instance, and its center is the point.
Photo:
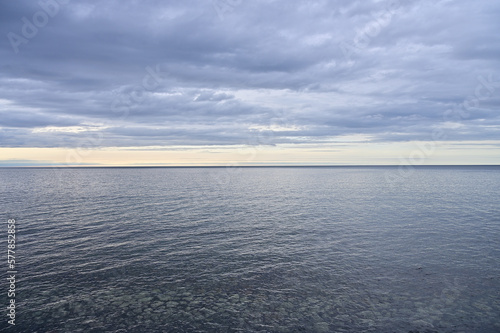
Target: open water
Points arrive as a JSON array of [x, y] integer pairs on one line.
[[306, 249]]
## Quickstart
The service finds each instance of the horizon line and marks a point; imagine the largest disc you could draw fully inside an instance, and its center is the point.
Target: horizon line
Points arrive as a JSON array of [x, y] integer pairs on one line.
[[242, 166]]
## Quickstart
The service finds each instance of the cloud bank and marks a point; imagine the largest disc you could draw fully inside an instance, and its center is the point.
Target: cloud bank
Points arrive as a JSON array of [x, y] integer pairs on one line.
[[228, 73]]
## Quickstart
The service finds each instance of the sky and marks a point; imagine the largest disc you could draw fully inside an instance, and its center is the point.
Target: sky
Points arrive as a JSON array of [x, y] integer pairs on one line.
[[240, 82]]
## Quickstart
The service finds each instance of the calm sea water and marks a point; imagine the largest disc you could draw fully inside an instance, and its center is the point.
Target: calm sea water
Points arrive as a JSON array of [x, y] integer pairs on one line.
[[253, 249]]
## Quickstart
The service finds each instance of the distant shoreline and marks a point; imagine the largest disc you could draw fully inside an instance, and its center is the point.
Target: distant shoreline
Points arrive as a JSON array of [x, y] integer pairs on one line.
[[246, 166]]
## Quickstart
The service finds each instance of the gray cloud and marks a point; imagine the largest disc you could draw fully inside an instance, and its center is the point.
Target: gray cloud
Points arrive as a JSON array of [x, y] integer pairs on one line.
[[185, 73]]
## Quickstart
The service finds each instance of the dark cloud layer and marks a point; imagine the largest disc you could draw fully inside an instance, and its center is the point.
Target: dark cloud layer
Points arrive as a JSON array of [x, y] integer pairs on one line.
[[163, 73]]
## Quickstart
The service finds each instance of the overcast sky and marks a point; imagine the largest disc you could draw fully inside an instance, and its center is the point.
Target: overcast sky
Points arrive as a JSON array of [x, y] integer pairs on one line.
[[223, 74]]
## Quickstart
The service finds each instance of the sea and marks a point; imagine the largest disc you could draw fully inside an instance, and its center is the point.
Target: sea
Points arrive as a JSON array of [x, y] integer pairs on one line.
[[251, 249]]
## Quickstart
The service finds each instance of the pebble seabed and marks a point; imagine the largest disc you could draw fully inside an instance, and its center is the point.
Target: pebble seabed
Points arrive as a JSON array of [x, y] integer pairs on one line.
[[240, 307]]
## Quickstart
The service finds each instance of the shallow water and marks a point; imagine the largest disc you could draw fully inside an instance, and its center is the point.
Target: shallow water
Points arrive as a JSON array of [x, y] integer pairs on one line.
[[339, 249]]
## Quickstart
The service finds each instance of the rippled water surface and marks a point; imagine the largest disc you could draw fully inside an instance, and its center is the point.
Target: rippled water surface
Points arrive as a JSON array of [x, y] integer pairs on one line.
[[254, 249]]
